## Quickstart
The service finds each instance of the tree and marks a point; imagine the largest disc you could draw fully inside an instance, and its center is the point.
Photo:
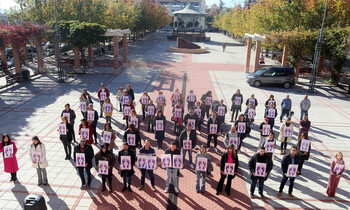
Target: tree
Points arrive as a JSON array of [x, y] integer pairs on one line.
[[221, 5]]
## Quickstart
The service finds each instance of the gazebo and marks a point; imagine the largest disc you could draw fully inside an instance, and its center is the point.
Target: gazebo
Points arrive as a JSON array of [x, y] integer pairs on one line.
[[189, 18]]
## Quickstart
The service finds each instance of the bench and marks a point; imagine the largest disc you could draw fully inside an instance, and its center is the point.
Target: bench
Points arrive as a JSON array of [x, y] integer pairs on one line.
[[12, 79]]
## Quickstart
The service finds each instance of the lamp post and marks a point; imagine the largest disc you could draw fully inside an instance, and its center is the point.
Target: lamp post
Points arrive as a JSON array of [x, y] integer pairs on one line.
[[58, 47], [318, 49]]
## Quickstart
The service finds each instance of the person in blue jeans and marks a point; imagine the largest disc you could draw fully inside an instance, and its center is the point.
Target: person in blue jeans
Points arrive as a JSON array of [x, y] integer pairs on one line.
[[201, 174], [260, 157], [305, 105], [286, 106], [147, 150]]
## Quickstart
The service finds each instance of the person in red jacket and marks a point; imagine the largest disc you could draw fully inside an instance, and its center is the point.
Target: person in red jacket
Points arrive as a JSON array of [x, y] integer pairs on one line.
[[127, 112], [102, 94], [10, 162], [84, 124]]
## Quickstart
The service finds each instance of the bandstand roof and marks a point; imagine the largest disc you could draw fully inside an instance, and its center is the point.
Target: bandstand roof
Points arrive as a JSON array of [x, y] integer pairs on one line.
[[189, 10]]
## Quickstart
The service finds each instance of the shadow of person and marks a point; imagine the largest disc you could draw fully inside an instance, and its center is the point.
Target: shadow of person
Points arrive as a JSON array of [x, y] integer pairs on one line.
[[54, 201]]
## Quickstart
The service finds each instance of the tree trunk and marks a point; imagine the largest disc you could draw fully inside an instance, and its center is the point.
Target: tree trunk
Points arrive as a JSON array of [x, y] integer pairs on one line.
[[90, 56], [125, 49], [39, 54], [76, 59], [25, 54], [56, 54], [320, 64], [297, 71], [3, 56], [17, 60], [116, 54], [285, 55]]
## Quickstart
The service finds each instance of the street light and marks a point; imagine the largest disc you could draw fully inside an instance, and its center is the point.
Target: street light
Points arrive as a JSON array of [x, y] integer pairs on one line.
[[318, 49], [58, 48]]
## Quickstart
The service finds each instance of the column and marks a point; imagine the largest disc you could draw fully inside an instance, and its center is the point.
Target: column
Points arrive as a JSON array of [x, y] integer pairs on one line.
[[116, 54], [17, 60], [257, 56], [125, 49], [249, 50], [320, 64]]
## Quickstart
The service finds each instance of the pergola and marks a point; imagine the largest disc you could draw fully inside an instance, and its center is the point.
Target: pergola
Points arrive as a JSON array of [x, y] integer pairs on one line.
[[189, 14], [116, 33]]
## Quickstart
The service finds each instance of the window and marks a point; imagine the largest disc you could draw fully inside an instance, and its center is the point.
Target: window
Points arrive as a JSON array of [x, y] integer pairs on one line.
[[283, 72], [269, 73]]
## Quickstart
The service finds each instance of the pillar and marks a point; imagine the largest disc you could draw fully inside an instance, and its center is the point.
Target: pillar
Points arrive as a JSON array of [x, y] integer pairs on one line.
[[320, 64], [116, 54], [76, 59], [25, 54], [56, 54], [285, 55], [90, 56], [17, 60], [3, 56], [39, 53], [297, 71], [249, 51], [125, 49], [257, 56]]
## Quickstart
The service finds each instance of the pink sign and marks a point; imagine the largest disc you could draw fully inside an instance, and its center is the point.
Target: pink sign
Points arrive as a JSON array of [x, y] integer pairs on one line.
[[187, 144], [159, 125], [192, 122], [103, 167], [131, 139], [62, 129], [288, 131], [107, 137], [144, 100], [80, 159], [221, 110], [269, 146], [125, 163], [36, 157], [127, 110], [229, 168], [177, 112], [238, 101], [260, 169], [108, 108], [271, 113], [202, 164], [208, 100], [166, 161], [85, 133], [234, 141], [91, 115], [150, 110], [213, 128], [177, 161], [103, 96], [292, 170], [241, 127], [266, 130], [304, 145]]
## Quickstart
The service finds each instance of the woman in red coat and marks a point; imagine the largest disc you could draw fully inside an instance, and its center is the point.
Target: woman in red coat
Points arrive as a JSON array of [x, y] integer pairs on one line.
[[337, 169], [84, 124], [10, 162]]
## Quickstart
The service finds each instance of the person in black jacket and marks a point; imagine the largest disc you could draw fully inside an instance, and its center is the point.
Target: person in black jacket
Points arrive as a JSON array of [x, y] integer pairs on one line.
[[215, 121], [229, 156], [71, 118], [192, 116], [67, 139], [302, 154], [130, 92], [291, 158], [93, 123], [133, 131], [127, 174], [106, 155], [89, 155], [188, 134], [272, 116], [242, 135], [260, 157], [221, 111], [237, 100], [172, 173]]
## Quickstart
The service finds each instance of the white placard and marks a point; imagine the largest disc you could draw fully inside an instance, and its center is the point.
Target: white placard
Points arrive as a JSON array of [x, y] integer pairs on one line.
[[159, 125], [187, 144], [238, 101], [213, 128], [208, 100], [107, 137], [176, 97], [338, 168], [91, 115], [251, 113], [131, 139], [127, 110], [135, 121], [8, 151], [83, 106], [241, 127], [260, 169], [161, 99], [292, 170], [103, 167], [198, 111], [65, 114], [229, 168], [62, 129], [177, 161], [269, 146], [80, 159], [144, 100], [304, 145], [103, 96], [234, 141], [287, 131], [271, 113], [36, 157], [191, 98], [141, 161], [125, 162], [85, 133], [150, 110], [125, 99], [151, 163], [202, 164], [192, 122], [221, 110], [108, 108], [166, 161], [177, 112], [252, 101], [266, 129]]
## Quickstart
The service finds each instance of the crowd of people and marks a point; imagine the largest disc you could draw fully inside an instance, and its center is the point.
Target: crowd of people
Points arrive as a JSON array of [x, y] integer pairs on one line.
[[187, 125]]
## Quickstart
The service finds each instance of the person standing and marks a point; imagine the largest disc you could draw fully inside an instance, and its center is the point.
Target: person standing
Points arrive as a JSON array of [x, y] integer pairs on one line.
[[134, 119], [108, 110], [271, 113], [132, 131], [249, 117], [270, 101], [201, 174], [118, 97], [66, 139], [206, 100], [305, 105], [188, 134], [304, 126], [236, 107], [270, 139], [229, 156], [127, 174], [178, 108], [125, 98], [150, 112], [221, 111], [108, 127], [160, 130], [147, 150], [102, 94], [175, 97], [127, 112], [262, 134], [160, 101], [191, 100], [172, 173], [130, 92], [213, 133], [291, 158], [70, 114], [85, 101], [252, 100], [85, 124], [191, 115], [260, 157], [10, 163], [231, 134], [198, 109], [87, 95], [37, 154], [241, 134], [88, 152], [304, 155], [144, 100], [335, 174], [223, 46], [93, 121], [261, 59], [283, 137], [105, 155], [286, 107]]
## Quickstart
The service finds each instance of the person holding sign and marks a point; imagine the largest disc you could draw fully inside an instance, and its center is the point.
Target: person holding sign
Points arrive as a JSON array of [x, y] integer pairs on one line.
[[207, 100], [229, 156], [87, 95], [304, 126], [144, 102], [178, 112], [110, 138], [130, 92], [118, 97], [242, 129], [201, 161], [160, 101], [337, 169], [236, 106], [127, 111], [108, 110], [232, 138], [37, 154], [269, 144], [286, 106], [191, 100], [88, 152], [135, 134], [9, 151], [70, 114], [199, 110], [221, 111], [84, 102], [125, 98], [249, 116], [147, 150], [92, 118], [127, 174], [150, 112], [288, 159], [286, 131], [259, 158], [213, 129], [102, 94], [270, 101], [271, 113], [252, 100], [172, 173], [66, 137], [265, 130], [106, 155], [134, 119], [302, 150], [176, 96], [191, 118], [85, 125], [160, 123], [188, 136]]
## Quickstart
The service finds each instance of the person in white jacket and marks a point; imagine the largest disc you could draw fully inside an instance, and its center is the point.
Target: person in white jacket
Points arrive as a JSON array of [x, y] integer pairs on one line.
[[37, 153]]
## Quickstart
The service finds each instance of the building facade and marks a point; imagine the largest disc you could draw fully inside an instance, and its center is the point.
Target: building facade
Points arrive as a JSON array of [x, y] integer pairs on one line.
[[177, 5]]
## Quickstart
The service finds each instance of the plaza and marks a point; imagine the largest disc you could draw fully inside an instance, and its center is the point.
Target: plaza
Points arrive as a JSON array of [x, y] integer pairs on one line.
[[33, 108]]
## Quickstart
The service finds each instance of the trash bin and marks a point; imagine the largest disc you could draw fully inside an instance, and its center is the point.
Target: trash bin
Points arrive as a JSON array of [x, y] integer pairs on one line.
[[34, 202]]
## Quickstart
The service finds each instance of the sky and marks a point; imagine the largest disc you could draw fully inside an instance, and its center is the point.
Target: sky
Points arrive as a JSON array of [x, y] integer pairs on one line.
[[6, 4]]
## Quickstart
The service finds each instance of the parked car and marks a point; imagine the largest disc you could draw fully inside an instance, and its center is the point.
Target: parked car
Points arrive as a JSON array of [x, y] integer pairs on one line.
[[272, 75]]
